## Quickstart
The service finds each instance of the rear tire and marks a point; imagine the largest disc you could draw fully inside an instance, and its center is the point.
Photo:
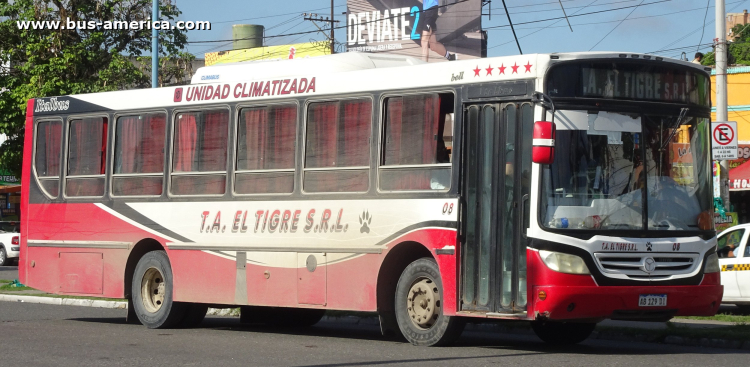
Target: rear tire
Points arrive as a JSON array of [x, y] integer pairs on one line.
[[562, 333], [419, 308], [152, 289], [3, 257]]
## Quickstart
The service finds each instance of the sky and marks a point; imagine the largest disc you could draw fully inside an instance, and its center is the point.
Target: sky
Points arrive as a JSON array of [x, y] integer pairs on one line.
[[665, 27]]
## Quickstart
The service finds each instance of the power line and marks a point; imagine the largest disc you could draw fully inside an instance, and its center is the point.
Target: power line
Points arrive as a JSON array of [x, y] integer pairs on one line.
[[543, 28], [629, 19], [618, 24], [583, 14], [511, 28], [340, 27], [704, 22], [500, 26], [699, 28], [272, 16], [700, 45]]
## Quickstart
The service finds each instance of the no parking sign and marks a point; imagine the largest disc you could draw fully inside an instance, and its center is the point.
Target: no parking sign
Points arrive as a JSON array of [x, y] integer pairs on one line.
[[724, 140]]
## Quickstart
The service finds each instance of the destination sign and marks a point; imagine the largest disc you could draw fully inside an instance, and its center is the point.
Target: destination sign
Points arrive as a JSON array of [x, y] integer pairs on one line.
[[629, 81]]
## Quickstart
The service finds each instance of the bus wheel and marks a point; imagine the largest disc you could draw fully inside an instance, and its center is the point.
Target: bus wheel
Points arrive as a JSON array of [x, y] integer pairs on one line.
[[194, 315], [3, 257], [419, 306], [152, 292], [562, 333]]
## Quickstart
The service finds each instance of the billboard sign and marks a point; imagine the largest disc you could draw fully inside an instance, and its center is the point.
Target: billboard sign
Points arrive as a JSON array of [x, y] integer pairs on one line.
[[281, 52], [8, 179], [433, 30]]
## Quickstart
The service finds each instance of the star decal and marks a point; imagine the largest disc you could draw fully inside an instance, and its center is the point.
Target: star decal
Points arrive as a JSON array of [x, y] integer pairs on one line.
[[477, 70], [528, 67], [489, 70], [502, 68], [515, 68]]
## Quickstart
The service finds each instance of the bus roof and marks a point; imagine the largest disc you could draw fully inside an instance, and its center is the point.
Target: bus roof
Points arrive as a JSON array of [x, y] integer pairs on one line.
[[337, 63], [347, 74]]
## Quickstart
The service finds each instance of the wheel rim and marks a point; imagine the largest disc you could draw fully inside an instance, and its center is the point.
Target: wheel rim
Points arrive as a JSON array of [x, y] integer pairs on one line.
[[423, 303], [2, 256], [153, 290]]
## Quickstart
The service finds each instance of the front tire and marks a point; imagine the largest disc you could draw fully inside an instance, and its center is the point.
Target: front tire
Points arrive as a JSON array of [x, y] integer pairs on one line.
[[419, 308], [152, 289], [562, 333]]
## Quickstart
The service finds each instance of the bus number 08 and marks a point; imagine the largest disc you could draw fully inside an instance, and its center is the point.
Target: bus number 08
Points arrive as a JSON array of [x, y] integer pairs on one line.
[[448, 208]]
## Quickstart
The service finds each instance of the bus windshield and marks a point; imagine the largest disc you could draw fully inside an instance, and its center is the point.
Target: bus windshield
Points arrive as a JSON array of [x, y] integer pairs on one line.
[[607, 163]]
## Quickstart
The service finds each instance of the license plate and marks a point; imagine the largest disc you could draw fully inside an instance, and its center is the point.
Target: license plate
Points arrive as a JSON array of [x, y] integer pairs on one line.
[[652, 300]]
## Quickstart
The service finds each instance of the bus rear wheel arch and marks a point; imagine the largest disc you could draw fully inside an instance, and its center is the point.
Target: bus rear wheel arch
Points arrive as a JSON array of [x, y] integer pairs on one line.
[[418, 306]]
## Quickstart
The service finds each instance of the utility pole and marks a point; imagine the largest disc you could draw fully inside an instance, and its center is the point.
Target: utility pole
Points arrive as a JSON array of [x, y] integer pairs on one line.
[[721, 91], [317, 18], [154, 45]]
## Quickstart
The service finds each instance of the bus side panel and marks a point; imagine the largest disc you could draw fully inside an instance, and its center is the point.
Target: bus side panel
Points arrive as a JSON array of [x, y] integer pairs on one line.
[[276, 286], [350, 281], [25, 182], [83, 226], [203, 277]]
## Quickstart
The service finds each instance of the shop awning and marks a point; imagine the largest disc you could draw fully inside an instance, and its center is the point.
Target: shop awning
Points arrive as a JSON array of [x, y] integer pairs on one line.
[[739, 177], [10, 189]]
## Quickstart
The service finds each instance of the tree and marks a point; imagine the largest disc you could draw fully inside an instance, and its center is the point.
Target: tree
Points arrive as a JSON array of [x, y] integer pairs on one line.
[[52, 62], [739, 49]]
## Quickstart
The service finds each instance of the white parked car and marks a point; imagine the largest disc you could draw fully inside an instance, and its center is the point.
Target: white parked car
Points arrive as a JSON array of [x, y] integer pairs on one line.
[[734, 259], [9, 247]]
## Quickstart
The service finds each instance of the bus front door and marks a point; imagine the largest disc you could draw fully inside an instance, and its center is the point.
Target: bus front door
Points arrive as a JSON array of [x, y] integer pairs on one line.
[[496, 185]]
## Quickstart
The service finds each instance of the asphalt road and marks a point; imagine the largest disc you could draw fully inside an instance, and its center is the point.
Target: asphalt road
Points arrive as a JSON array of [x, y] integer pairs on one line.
[[9, 272], [43, 335]]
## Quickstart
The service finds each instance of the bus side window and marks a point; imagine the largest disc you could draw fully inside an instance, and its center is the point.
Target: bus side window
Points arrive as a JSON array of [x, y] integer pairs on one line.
[[139, 154], [47, 156], [199, 164], [87, 144], [337, 149], [417, 142], [265, 150]]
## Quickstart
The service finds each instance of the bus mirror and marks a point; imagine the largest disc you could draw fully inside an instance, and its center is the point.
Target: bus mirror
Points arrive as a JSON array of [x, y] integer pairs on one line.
[[543, 144]]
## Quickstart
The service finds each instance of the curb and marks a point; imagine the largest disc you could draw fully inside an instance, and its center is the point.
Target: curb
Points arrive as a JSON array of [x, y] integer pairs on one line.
[[64, 301], [598, 334], [123, 305]]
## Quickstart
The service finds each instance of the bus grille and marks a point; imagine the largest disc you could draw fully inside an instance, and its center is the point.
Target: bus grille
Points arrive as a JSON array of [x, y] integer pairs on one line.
[[635, 265]]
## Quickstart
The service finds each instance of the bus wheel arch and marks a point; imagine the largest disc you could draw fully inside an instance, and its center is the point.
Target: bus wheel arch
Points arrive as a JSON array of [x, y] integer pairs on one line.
[[141, 248], [397, 259]]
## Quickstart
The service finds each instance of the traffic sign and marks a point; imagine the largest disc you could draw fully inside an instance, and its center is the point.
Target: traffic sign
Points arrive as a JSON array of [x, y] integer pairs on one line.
[[724, 140]]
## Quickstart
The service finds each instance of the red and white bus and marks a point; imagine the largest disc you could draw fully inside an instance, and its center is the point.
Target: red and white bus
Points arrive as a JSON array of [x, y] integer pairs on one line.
[[561, 189]]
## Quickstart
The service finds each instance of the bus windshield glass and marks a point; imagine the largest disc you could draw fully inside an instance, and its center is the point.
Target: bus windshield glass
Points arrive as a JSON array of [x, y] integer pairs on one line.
[[607, 163]]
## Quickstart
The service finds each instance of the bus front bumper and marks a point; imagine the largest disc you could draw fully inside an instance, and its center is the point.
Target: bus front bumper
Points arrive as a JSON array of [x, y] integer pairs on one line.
[[622, 302]]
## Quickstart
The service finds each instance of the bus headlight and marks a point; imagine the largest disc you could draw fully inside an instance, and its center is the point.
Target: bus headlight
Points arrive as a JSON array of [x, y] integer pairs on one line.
[[712, 264], [564, 263]]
